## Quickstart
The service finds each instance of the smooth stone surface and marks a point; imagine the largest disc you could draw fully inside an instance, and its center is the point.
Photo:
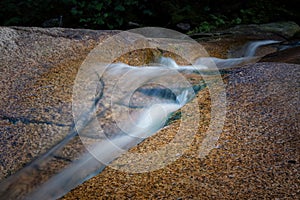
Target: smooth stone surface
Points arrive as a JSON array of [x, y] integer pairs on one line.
[[37, 72], [291, 55], [257, 155], [229, 43]]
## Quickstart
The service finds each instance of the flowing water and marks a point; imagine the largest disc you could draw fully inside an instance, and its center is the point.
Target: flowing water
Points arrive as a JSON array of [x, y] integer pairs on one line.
[[149, 106], [253, 46]]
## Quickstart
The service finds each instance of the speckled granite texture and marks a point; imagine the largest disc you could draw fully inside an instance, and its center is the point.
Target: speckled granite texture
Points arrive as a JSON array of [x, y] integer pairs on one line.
[[257, 156]]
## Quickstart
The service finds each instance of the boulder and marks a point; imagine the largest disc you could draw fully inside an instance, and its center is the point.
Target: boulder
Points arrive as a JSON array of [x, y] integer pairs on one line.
[[228, 43], [290, 55], [282, 29], [256, 157], [257, 148], [37, 70]]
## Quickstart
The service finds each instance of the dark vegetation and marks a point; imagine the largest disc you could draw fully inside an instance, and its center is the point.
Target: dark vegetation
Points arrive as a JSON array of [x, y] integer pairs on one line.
[[184, 15]]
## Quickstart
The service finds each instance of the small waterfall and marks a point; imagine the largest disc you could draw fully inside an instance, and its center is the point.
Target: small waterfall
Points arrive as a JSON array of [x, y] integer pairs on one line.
[[160, 103], [253, 46], [212, 62], [150, 121], [249, 57], [149, 117]]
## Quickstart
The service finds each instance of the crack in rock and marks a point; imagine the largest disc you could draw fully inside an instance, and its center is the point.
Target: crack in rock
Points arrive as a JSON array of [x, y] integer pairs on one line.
[[24, 120]]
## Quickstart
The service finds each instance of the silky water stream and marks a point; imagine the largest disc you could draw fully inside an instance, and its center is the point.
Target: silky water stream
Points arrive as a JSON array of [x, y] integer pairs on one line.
[[150, 106]]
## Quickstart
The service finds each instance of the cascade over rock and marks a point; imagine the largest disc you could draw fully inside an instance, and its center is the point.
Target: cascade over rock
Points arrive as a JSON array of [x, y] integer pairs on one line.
[[37, 72]]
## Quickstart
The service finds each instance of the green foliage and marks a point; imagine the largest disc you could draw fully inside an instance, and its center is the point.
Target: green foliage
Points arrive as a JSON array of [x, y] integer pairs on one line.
[[107, 13], [202, 16], [262, 12], [236, 21], [242, 12], [214, 22], [203, 27], [75, 13]]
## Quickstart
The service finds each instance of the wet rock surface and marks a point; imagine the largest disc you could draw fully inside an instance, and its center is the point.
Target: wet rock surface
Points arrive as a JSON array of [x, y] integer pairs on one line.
[[257, 155], [38, 67], [291, 55], [228, 43]]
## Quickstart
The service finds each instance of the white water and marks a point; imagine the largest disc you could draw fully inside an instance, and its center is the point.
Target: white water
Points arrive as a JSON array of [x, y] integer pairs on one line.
[[106, 151], [253, 46], [148, 122], [225, 63], [206, 64]]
